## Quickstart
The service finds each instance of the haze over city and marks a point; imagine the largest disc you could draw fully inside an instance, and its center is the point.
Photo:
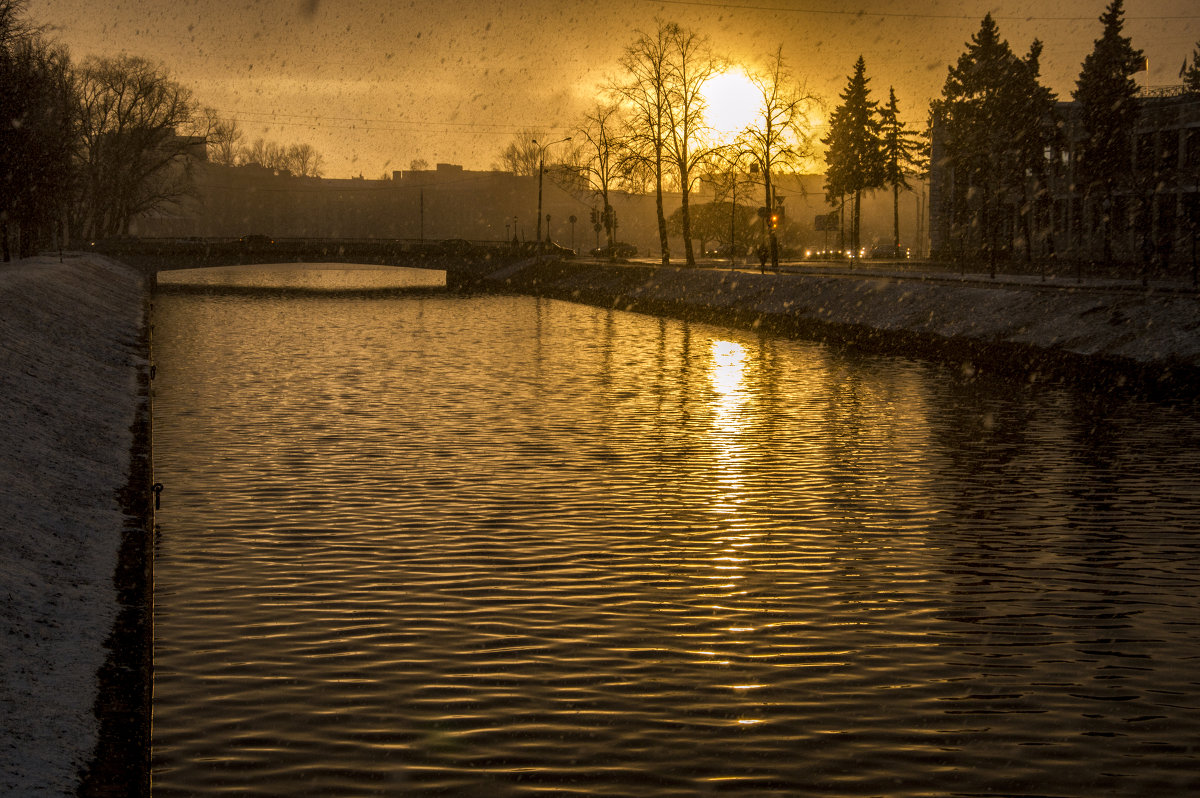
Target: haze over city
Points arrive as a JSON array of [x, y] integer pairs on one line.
[[375, 85]]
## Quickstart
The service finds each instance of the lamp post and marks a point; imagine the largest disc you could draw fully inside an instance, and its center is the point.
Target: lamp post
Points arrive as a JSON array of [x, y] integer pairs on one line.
[[542, 168]]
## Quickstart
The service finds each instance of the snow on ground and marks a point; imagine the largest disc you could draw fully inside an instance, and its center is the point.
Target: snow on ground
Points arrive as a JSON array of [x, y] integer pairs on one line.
[[68, 365], [1118, 321]]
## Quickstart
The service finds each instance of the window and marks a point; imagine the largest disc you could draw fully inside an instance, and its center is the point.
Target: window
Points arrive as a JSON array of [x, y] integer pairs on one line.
[[1191, 145], [1168, 153], [1144, 159]]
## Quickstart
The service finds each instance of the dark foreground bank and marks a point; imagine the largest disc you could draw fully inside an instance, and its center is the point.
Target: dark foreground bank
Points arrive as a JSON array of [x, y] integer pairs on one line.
[[1096, 334], [74, 460]]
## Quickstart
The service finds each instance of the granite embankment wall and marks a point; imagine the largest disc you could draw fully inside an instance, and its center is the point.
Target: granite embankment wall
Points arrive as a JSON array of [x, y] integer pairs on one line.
[[74, 457], [1105, 335]]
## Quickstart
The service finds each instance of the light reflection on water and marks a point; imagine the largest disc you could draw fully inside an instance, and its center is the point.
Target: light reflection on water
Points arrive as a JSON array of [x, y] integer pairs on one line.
[[456, 545]]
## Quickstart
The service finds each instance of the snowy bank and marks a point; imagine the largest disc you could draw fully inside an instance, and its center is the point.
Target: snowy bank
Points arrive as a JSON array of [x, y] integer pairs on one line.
[[70, 352], [1028, 329]]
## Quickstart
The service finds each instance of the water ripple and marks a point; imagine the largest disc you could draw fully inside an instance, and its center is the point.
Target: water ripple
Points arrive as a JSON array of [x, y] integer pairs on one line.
[[447, 545]]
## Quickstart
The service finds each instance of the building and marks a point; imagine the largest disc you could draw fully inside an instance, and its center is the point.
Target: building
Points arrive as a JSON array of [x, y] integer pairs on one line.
[[1152, 219], [446, 202]]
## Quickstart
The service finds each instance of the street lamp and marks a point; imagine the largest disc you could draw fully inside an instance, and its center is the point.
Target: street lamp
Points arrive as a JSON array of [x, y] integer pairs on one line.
[[541, 168]]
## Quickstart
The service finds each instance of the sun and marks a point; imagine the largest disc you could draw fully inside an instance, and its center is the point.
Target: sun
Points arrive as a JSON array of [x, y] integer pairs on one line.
[[733, 101]]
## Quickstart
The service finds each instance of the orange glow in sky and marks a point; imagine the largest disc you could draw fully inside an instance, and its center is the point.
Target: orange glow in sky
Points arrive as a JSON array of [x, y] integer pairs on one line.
[[376, 84]]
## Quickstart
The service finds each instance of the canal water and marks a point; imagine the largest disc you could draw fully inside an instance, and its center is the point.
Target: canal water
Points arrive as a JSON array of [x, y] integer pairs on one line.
[[438, 544]]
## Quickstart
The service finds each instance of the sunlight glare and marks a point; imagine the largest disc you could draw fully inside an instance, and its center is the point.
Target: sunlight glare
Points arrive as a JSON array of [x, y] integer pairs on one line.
[[733, 103], [728, 366]]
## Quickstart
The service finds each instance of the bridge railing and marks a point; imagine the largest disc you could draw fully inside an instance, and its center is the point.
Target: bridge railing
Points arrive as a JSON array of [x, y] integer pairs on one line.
[[452, 255]]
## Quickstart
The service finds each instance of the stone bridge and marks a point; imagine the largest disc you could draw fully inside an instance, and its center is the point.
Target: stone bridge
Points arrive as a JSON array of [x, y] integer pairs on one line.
[[465, 262]]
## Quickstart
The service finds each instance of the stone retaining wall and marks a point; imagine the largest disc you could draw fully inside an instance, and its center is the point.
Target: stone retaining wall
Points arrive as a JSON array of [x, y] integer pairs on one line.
[[1028, 331]]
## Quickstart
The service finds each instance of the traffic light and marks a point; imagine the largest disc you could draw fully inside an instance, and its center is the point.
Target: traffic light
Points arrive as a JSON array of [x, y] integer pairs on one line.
[[595, 216]]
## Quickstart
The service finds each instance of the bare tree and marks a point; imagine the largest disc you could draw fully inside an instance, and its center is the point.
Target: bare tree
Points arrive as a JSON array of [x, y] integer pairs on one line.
[[645, 89], [598, 157], [303, 160], [13, 24], [781, 138], [37, 132], [521, 154], [690, 63], [267, 153], [223, 136], [300, 160], [726, 170], [133, 158]]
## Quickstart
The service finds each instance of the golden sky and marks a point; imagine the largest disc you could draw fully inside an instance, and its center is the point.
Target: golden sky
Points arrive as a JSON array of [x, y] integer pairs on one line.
[[375, 84]]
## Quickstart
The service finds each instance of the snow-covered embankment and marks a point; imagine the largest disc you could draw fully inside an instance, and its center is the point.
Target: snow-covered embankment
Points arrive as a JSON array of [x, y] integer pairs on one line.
[[70, 352], [1095, 332]]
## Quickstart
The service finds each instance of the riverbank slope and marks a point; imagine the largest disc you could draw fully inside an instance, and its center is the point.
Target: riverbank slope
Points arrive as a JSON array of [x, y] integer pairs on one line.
[[1108, 334], [71, 349]]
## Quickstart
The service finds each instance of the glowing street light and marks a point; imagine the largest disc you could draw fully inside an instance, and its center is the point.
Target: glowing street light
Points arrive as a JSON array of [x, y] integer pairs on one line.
[[541, 168]]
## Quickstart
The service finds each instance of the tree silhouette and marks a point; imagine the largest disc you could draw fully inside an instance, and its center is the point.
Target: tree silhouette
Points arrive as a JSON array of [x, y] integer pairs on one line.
[[1108, 110], [1034, 132], [690, 63], [645, 88], [901, 156], [779, 139], [521, 155], [133, 159], [599, 154], [1191, 74], [855, 153], [992, 120], [37, 132], [223, 137]]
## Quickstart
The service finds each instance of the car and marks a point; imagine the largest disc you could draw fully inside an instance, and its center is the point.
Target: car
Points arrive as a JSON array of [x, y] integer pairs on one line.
[[617, 250], [825, 254], [551, 248], [889, 252], [725, 251]]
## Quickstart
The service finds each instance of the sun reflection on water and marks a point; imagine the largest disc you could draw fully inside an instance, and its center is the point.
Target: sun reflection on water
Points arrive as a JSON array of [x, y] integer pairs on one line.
[[727, 378]]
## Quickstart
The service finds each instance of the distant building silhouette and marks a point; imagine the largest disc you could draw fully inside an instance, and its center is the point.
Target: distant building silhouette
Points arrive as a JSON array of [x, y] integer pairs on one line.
[[448, 202]]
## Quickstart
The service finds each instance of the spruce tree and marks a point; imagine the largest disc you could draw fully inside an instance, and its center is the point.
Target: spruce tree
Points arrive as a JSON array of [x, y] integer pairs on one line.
[[901, 156], [854, 157], [1108, 110], [1191, 74], [1038, 128], [993, 119]]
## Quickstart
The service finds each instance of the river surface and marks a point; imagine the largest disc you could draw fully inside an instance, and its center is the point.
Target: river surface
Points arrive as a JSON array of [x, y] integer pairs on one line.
[[438, 544]]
